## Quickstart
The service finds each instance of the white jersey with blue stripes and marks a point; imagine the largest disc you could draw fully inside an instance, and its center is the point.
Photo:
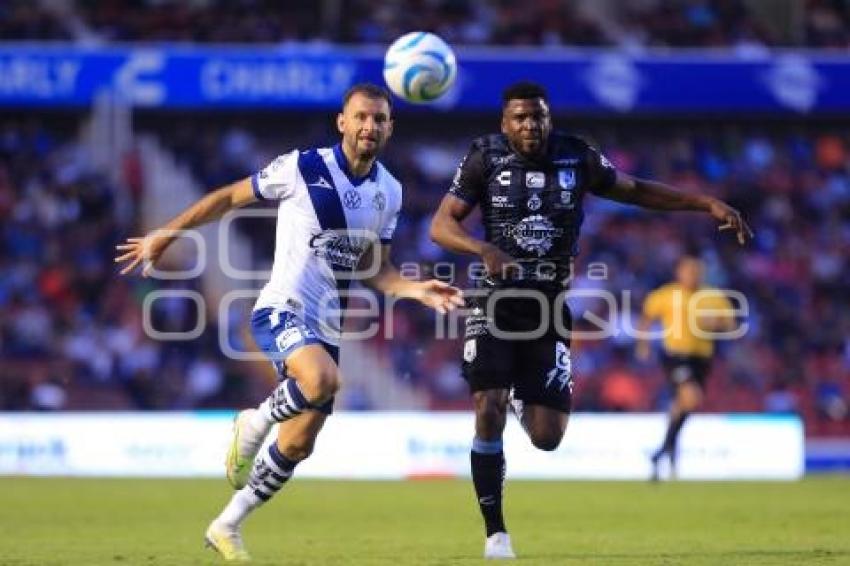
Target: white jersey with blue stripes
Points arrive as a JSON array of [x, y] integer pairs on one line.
[[326, 220]]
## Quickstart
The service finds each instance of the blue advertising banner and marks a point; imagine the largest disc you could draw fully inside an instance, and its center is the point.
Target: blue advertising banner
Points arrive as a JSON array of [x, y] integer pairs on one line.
[[302, 77]]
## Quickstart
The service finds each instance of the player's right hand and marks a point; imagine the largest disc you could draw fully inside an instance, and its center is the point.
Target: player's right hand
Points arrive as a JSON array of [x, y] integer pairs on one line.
[[499, 264], [145, 251]]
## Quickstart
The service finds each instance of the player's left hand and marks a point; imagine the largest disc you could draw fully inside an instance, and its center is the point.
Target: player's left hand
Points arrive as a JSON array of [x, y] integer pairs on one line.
[[731, 220], [440, 296]]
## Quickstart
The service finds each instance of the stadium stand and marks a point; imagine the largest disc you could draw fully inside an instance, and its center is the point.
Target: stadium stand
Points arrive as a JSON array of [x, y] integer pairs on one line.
[[792, 183], [636, 24]]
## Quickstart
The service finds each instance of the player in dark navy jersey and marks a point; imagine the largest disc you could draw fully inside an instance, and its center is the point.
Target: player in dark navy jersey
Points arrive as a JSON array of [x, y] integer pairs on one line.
[[530, 183]]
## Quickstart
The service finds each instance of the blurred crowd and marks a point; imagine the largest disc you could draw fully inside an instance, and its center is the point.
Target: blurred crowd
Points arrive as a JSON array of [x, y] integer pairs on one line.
[[71, 334], [71, 331], [631, 23]]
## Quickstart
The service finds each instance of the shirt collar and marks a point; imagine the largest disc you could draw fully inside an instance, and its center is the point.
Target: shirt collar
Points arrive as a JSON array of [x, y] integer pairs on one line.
[[342, 161]]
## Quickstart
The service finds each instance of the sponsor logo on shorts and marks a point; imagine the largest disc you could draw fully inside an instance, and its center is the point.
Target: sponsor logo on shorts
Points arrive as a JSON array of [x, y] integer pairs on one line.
[[289, 338], [469, 351], [561, 375]]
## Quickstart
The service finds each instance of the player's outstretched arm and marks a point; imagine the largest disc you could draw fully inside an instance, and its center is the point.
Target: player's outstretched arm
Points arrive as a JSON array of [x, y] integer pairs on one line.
[[659, 196], [148, 249], [433, 293]]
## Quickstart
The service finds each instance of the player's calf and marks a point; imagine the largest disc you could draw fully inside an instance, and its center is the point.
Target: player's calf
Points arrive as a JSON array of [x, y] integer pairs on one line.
[[253, 425], [490, 413]]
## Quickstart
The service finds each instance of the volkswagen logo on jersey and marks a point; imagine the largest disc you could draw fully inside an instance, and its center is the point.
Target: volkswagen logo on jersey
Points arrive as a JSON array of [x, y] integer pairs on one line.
[[535, 202], [379, 203], [534, 234], [336, 248], [351, 199]]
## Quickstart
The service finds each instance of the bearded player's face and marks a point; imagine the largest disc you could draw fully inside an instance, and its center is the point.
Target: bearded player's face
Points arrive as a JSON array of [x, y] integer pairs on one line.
[[526, 123], [365, 125]]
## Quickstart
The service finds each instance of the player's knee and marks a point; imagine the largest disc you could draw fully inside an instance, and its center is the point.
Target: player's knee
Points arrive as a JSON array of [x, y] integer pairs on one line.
[[491, 410], [321, 384], [548, 441]]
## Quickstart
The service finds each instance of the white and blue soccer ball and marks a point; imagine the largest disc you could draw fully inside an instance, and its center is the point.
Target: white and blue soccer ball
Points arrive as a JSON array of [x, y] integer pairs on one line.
[[419, 67]]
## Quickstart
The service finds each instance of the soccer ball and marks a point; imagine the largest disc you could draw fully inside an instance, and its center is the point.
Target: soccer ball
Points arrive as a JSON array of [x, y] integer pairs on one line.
[[419, 67]]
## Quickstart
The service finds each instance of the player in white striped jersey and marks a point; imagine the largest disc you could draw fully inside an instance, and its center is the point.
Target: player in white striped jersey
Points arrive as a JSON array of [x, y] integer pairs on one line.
[[336, 215]]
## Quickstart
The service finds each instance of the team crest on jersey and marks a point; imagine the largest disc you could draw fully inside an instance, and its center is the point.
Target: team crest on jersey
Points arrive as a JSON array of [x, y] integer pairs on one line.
[[567, 179], [534, 234], [535, 179], [351, 199], [535, 202], [379, 203]]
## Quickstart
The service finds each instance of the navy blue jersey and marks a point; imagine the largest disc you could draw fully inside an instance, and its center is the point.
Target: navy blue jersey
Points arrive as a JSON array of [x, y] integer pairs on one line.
[[532, 209]]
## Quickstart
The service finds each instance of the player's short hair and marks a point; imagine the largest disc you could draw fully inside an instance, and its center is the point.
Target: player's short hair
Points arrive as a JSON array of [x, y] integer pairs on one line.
[[523, 90], [367, 89]]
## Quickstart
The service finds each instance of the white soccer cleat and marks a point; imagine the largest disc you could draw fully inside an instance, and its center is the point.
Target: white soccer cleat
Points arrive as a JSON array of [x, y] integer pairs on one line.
[[244, 445], [498, 547], [227, 541]]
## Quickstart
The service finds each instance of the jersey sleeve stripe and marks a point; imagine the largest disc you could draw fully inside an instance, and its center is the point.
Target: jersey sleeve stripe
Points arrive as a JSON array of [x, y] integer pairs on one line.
[[255, 184]]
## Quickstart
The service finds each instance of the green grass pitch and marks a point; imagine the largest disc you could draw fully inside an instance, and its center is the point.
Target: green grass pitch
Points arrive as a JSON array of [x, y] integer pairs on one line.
[[150, 522]]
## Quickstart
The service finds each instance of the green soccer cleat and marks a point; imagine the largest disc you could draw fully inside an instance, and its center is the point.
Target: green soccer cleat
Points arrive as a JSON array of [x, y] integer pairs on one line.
[[227, 542], [244, 445]]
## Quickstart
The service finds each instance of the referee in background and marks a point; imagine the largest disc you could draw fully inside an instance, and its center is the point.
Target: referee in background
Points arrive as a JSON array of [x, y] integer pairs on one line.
[[689, 313]]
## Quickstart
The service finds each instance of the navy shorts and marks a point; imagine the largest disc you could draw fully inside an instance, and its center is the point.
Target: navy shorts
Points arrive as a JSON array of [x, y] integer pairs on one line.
[[538, 370], [278, 333]]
